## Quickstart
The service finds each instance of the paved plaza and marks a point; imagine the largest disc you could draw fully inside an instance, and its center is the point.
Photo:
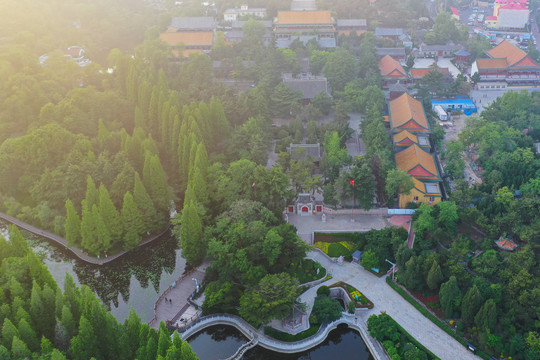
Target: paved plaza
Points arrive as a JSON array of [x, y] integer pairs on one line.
[[339, 222]]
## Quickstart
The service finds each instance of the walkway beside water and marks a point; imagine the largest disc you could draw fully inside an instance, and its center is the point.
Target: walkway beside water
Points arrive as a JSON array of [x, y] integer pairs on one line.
[[388, 300], [257, 337], [174, 301], [75, 250]]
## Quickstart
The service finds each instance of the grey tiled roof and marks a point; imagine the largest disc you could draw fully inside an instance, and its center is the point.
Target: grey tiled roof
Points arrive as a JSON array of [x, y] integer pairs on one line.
[[351, 22], [391, 51], [388, 31], [193, 23], [309, 86], [313, 150]]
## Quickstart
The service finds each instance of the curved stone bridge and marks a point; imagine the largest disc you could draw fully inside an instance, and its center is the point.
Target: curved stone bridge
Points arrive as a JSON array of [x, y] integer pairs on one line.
[[255, 337]]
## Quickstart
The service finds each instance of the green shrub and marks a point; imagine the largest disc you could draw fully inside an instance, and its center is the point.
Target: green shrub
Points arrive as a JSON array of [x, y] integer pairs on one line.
[[323, 290], [352, 307], [283, 336]]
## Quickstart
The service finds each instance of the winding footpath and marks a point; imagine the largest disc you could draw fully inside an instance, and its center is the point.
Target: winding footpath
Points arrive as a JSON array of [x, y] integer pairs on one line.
[[257, 337], [75, 250], [376, 289], [388, 300]]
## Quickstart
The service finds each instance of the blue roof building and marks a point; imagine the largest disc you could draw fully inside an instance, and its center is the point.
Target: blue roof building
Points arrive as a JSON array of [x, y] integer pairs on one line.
[[458, 104]]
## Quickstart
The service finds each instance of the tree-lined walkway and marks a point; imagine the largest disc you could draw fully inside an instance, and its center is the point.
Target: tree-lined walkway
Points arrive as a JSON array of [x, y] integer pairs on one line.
[[75, 250], [388, 300]]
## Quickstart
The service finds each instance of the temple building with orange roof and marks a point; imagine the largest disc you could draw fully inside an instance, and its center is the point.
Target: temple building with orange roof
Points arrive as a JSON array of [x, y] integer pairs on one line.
[[506, 244], [392, 71], [305, 25], [506, 65], [404, 139], [189, 42], [422, 167], [407, 113], [190, 35], [413, 152]]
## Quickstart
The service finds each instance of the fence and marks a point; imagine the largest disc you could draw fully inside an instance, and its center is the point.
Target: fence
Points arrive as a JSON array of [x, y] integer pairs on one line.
[[166, 292], [401, 211]]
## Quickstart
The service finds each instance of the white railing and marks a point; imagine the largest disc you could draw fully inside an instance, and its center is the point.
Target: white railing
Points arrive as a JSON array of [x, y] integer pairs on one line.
[[279, 346]]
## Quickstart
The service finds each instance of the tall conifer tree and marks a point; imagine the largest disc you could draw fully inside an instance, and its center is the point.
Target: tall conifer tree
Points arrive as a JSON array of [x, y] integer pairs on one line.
[[144, 204], [133, 222], [73, 224], [92, 195], [110, 215], [191, 235]]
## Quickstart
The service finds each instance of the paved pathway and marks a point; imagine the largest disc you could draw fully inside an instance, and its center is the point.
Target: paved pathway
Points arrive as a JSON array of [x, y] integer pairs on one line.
[[387, 299], [75, 250], [176, 303]]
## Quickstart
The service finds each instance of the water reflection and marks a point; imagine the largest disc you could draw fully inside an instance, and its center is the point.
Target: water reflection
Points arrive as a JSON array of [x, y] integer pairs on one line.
[[216, 342], [219, 342], [134, 280]]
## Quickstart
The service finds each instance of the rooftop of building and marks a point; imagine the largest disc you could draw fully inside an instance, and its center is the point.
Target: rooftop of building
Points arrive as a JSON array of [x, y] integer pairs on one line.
[[201, 38], [419, 73], [505, 50], [302, 151], [388, 65], [391, 51], [388, 31], [303, 17], [193, 23], [506, 244], [351, 22], [417, 162], [310, 86], [405, 109]]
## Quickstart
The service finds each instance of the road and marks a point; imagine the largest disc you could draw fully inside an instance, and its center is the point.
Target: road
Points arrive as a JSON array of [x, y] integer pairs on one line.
[[388, 300]]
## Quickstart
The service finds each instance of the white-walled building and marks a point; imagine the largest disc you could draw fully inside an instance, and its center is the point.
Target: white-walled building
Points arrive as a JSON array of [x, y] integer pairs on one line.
[[244, 10], [512, 16]]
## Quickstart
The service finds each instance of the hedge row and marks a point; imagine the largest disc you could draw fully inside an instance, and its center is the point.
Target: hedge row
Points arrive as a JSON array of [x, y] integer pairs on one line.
[[433, 318], [283, 336], [414, 341]]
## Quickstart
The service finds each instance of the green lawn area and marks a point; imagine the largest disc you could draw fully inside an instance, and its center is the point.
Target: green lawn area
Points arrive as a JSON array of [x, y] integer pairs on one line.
[[308, 271]]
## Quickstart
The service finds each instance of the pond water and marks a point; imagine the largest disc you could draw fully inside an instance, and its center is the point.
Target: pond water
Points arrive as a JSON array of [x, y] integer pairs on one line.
[[135, 280], [220, 342]]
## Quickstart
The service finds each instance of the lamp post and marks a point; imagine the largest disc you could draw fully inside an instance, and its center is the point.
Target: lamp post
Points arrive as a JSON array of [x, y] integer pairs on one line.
[[352, 208], [393, 268]]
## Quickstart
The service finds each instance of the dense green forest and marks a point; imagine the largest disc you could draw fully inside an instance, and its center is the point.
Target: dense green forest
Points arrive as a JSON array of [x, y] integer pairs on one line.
[[41, 321], [492, 295]]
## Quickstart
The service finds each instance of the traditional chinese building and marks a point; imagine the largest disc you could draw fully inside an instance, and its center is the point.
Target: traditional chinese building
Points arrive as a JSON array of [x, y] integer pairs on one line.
[[407, 113], [392, 71], [506, 65], [190, 35], [243, 10], [305, 25], [422, 167]]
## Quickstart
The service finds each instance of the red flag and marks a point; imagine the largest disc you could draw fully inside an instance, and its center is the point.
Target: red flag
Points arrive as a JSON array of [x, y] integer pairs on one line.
[[352, 182]]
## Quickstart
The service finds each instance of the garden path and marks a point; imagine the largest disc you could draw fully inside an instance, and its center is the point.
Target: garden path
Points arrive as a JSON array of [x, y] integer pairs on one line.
[[388, 300]]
